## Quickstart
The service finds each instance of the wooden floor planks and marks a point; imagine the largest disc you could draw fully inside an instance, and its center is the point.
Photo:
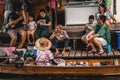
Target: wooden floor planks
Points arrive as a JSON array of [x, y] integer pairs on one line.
[[84, 54]]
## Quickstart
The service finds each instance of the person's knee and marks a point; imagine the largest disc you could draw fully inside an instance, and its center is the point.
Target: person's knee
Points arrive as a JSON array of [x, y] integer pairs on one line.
[[24, 33], [13, 36], [54, 45], [66, 43], [44, 34], [94, 39], [81, 39], [107, 22]]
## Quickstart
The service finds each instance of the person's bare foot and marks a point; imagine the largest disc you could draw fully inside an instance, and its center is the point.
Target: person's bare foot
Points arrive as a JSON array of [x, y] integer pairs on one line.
[[88, 45], [63, 52], [56, 53]]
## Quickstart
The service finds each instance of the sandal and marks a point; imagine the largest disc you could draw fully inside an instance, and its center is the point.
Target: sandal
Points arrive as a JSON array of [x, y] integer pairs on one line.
[[92, 51], [20, 46], [101, 52]]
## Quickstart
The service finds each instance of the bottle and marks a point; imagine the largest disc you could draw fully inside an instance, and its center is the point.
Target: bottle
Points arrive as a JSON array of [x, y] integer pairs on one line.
[[35, 51], [116, 61]]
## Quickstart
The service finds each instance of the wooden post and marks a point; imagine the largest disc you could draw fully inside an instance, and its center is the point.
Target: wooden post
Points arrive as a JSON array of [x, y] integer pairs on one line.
[[114, 7]]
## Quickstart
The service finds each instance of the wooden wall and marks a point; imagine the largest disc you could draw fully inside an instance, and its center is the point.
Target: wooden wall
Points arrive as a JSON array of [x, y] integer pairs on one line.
[[36, 8], [1, 14], [35, 11]]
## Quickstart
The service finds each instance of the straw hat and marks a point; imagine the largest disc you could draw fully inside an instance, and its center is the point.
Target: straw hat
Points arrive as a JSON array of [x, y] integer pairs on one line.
[[43, 44]]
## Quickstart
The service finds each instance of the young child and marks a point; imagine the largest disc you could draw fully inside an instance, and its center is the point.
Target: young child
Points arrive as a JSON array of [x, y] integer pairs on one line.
[[89, 30], [44, 55], [32, 28]]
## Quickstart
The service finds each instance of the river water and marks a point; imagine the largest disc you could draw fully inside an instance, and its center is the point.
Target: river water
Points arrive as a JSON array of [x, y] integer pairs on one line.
[[59, 77]]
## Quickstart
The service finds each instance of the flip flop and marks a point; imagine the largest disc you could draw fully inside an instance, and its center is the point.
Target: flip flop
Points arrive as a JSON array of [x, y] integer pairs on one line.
[[92, 51], [20, 46], [101, 52]]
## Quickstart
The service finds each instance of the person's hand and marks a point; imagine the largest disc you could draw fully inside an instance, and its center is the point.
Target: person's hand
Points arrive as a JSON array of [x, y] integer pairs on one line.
[[20, 18], [57, 34], [90, 37], [38, 22], [87, 38], [63, 37], [41, 24]]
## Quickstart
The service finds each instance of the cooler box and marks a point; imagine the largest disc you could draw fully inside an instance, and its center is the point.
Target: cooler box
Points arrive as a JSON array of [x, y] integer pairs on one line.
[[118, 35]]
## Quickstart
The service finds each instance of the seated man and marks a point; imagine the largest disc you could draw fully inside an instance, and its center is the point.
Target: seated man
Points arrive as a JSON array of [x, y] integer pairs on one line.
[[43, 22], [16, 26], [59, 36], [102, 35]]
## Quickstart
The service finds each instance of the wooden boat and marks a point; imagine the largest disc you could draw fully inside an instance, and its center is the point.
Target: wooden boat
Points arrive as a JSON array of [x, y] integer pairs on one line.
[[75, 55], [34, 70], [77, 62], [106, 64], [85, 67]]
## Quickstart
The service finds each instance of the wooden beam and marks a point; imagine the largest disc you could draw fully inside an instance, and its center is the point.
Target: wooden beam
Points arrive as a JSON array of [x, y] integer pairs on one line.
[[114, 7]]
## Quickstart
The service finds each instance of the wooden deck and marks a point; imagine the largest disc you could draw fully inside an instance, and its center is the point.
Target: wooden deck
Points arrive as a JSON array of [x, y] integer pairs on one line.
[[78, 62], [78, 50], [83, 54]]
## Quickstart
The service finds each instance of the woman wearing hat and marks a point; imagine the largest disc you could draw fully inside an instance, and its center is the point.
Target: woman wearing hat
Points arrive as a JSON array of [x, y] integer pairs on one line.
[[44, 55]]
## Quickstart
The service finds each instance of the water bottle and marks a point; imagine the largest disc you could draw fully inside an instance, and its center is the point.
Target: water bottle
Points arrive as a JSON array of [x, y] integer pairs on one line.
[[116, 61], [35, 51]]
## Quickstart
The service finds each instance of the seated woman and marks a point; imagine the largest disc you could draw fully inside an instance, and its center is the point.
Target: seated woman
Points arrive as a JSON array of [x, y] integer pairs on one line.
[[102, 35], [103, 11], [44, 55], [59, 36], [88, 30]]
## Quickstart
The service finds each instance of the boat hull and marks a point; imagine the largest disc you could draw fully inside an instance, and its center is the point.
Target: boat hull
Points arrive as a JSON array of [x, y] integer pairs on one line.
[[35, 70]]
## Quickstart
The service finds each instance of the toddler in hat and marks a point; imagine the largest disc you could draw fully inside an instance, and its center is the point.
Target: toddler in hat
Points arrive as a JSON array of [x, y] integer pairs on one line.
[[44, 55]]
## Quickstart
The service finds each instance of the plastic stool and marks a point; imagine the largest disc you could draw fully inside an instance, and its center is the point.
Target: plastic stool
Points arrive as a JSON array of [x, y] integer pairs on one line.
[[108, 47]]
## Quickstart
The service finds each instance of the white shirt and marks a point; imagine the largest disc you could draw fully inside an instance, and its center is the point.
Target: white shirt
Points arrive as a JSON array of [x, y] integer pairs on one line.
[[32, 25]]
